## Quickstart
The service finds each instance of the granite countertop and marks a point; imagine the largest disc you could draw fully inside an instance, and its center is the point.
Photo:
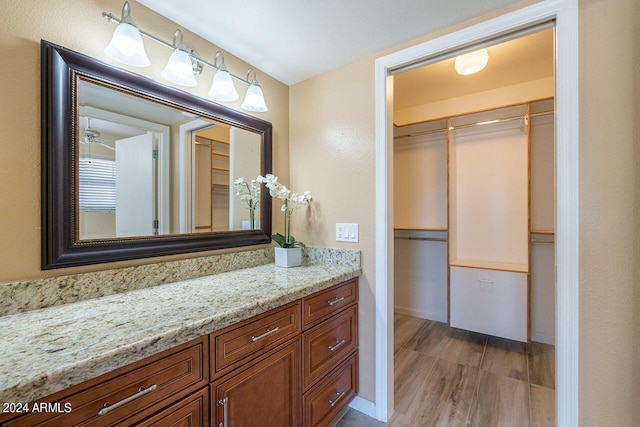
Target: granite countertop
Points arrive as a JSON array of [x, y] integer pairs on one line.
[[47, 350]]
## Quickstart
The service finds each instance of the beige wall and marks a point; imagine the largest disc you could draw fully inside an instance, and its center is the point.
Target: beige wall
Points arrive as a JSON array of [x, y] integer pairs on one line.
[[609, 201], [79, 25], [332, 153]]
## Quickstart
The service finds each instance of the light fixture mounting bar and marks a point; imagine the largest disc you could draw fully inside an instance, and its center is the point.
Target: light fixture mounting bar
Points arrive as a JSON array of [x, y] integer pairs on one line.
[[112, 18]]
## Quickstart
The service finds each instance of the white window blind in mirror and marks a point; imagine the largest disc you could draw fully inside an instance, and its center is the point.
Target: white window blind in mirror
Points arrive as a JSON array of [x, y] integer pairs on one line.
[[97, 184]]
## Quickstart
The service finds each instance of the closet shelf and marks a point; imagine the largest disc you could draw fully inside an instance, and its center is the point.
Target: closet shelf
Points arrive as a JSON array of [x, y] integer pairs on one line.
[[418, 229], [490, 265]]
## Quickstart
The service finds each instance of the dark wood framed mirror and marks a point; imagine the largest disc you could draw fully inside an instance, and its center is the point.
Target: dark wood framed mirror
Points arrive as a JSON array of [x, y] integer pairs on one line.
[[132, 168]]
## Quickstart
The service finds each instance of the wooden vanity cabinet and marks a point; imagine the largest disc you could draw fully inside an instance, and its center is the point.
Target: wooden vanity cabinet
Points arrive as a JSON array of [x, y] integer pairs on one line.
[[329, 353], [263, 393], [293, 365], [309, 380], [255, 369], [128, 395]]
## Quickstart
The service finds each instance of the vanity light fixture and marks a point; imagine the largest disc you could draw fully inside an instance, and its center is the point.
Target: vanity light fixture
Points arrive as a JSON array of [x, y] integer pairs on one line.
[[183, 63], [179, 69], [222, 88], [254, 100], [472, 62], [126, 44]]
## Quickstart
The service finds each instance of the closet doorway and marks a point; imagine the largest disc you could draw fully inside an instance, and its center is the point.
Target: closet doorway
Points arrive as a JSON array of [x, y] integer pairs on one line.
[[563, 13], [474, 256]]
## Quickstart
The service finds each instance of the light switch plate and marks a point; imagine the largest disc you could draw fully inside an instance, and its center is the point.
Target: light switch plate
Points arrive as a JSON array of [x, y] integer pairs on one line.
[[346, 232]]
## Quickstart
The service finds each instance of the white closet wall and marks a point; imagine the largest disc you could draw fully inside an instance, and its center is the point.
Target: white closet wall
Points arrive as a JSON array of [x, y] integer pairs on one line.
[[420, 216], [489, 199], [543, 222], [480, 247], [489, 222], [420, 283], [420, 176]]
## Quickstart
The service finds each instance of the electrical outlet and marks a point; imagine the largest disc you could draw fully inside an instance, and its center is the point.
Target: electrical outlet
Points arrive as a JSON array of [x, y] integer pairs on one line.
[[346, 232]]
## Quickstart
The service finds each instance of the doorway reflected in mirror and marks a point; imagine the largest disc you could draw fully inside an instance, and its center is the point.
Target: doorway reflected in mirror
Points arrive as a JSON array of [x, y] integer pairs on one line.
[[147, 169]]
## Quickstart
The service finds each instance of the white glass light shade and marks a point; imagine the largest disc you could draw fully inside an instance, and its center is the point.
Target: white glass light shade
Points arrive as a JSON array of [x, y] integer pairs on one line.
[[179, 69], [222, 88], [126, 46], [472, 62], [254, 100]]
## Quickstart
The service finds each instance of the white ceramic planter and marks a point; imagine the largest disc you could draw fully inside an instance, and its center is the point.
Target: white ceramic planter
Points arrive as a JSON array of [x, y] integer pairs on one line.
[[288, 257]]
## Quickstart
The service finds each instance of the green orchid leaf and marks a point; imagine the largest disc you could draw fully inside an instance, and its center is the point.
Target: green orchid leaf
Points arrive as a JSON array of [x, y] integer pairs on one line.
[[279, 239]]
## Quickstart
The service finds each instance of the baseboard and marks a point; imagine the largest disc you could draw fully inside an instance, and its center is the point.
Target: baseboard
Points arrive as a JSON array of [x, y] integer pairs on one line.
[[364, 406], [438, 316], [543, 338]]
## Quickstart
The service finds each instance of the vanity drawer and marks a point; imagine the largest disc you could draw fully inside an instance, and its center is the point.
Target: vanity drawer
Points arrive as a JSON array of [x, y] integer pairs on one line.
[[327, 344], [324, 304], [240, 343], [193, 410], [323, 404], [132, 393]]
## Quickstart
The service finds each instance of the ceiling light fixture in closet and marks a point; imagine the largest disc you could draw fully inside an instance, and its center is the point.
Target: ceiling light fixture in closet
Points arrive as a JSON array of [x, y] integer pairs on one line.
[[472, 62], [184, 63]]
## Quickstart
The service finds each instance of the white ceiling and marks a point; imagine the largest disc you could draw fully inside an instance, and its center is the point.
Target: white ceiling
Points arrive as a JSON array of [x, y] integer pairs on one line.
[[515, 61], [293, 40]]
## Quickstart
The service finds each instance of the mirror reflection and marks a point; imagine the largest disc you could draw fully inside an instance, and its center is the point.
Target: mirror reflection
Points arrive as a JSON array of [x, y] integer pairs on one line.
[[146, 168]]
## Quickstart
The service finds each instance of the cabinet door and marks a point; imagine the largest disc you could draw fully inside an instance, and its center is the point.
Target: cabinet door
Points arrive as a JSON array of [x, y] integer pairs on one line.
[[266, 393]]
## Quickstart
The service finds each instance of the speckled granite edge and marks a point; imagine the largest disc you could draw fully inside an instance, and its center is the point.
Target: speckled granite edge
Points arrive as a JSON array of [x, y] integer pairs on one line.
[[48, 350], [18, 297], [345, 257], [23, 296]]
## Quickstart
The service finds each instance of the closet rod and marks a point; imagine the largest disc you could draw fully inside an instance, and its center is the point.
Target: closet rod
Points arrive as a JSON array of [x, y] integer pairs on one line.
[[543, 113], [426, 239], [426, 132], [435, 230], [542, 241], [489, 122]]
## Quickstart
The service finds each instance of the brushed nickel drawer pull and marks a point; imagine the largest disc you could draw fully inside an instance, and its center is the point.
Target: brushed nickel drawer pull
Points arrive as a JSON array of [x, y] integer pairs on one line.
[[334, 402], [107, 407], [266, 334], [335, 301], [337, 345], [224, 402]]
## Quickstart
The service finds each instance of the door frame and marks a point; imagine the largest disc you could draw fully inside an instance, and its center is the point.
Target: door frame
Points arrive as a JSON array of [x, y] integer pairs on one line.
[[163, 171], [565, 15]]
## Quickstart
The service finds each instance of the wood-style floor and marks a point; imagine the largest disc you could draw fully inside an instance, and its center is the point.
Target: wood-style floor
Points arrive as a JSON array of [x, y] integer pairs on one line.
[[450, 377]]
